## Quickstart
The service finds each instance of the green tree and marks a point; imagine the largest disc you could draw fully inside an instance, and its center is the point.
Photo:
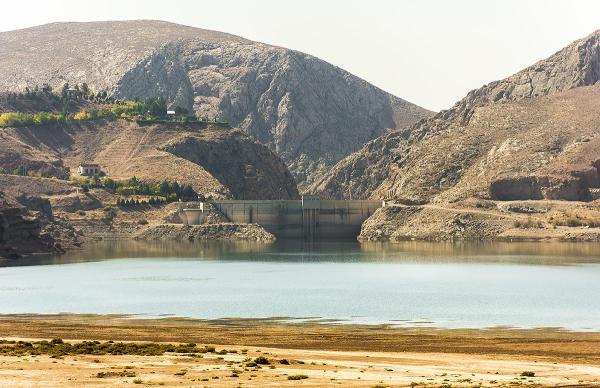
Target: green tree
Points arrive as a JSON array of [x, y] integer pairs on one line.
[[46, 89], [180, 111], [63, 91], [156, 106], [175, 189], [85, 90], [187, 192], [164, 188], [21, 170]]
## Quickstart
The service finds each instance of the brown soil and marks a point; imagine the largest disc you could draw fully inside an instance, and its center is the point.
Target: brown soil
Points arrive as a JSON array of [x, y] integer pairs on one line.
[[328, 355]]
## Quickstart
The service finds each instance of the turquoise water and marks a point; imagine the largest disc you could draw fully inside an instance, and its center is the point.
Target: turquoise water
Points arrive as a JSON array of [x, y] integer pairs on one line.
[[412, 284]]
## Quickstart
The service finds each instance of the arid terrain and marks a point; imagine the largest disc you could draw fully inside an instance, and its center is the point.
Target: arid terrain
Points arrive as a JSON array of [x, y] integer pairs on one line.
[[46, 215], [173, 116], [532, 133], [300, 354], [216, 161], [308, 111], [515, 159]]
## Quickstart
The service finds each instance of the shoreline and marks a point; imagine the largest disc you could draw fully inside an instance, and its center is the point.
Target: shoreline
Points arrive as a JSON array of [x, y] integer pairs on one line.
[[393, 324], [273, 332], [295, 353]]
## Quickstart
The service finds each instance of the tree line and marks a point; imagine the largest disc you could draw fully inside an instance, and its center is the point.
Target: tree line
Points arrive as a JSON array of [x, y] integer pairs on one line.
[[151, 110], [169, 190]]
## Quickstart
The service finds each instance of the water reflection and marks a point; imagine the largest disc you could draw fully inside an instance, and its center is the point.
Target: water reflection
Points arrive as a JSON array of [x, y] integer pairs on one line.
[[331, 251], [412, 283]]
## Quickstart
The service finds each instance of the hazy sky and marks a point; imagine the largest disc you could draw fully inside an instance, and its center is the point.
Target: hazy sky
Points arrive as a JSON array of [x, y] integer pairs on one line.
[[430, 52]]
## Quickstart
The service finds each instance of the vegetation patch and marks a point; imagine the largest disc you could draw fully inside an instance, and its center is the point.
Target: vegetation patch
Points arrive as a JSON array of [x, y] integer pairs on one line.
[[59, 348], [262, 360], [297, 377], [151, 111], [575, 220], [529, 223]]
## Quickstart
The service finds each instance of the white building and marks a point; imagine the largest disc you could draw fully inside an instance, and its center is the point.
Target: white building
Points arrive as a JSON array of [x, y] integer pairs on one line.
[[89, 169]]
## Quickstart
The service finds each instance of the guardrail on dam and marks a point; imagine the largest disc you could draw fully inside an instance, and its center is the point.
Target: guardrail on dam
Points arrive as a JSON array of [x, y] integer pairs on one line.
[[308, 218]]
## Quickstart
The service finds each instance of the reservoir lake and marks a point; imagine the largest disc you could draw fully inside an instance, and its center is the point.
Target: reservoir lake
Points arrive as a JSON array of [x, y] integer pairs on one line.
[[408, 284]]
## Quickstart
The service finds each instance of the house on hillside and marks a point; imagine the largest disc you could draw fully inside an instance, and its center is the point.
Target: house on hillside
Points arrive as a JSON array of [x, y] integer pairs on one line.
[[89, 169]]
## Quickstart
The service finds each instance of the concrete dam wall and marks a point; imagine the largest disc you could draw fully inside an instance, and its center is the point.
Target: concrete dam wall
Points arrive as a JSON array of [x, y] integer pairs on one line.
[[309, 218]]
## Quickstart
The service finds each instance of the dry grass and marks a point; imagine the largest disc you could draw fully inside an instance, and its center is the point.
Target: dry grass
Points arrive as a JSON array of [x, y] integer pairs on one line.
[[575, 220], [529, 223]]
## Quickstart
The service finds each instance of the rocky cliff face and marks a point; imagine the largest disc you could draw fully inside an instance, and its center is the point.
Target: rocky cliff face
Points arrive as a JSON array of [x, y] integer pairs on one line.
[[309, 112], [247, 168], [20, 232], [510, 117]]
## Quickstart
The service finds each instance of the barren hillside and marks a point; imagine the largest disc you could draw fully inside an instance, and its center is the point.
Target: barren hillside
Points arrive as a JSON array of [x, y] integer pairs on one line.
[[497, 140], [309, 112], [215, 161]]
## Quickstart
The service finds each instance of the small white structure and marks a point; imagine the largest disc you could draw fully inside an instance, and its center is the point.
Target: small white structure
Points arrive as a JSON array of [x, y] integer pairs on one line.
[[192, 216], [89, 169]]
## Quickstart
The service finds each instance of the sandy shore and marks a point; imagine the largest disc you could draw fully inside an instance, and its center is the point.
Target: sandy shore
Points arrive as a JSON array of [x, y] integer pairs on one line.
[[327, 355]]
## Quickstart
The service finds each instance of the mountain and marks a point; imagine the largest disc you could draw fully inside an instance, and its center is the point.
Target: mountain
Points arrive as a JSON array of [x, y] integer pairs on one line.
[[533, 135], [311, 113]]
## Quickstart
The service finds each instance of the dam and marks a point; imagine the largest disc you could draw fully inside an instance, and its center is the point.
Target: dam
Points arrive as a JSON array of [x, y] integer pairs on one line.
[[309, 218]]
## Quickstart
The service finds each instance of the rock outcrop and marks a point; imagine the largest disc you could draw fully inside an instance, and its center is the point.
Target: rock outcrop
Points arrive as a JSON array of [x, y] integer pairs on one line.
[[20, 233], [312, 114], [247, 168], [227, 231], [398, 223]]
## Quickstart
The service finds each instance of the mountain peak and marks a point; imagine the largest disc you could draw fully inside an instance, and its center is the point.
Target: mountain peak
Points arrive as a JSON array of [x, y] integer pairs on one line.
[[310, 112]]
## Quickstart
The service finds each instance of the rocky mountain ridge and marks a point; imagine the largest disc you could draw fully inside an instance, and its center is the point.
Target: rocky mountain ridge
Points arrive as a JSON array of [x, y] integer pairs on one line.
[[312, 114], [416, 165]]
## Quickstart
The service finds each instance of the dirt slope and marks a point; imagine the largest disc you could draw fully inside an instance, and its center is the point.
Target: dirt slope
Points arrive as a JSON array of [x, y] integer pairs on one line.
[[153, 153]]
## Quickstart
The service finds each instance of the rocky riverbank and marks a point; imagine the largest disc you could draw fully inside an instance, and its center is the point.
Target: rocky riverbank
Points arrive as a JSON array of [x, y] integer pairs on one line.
[[222, 231], [482, 220]]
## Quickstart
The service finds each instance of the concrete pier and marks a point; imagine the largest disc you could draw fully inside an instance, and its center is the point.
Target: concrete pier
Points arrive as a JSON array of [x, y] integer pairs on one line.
[[309, 218]]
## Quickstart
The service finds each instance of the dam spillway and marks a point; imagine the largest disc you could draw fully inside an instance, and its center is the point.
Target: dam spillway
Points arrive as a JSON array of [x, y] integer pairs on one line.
[[308, 218]]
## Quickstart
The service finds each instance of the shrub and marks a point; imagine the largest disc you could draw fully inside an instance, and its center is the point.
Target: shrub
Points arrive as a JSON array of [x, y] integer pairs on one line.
[[262, 360], [530, 223], [575, 221], [297, 377], [83, 115]]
